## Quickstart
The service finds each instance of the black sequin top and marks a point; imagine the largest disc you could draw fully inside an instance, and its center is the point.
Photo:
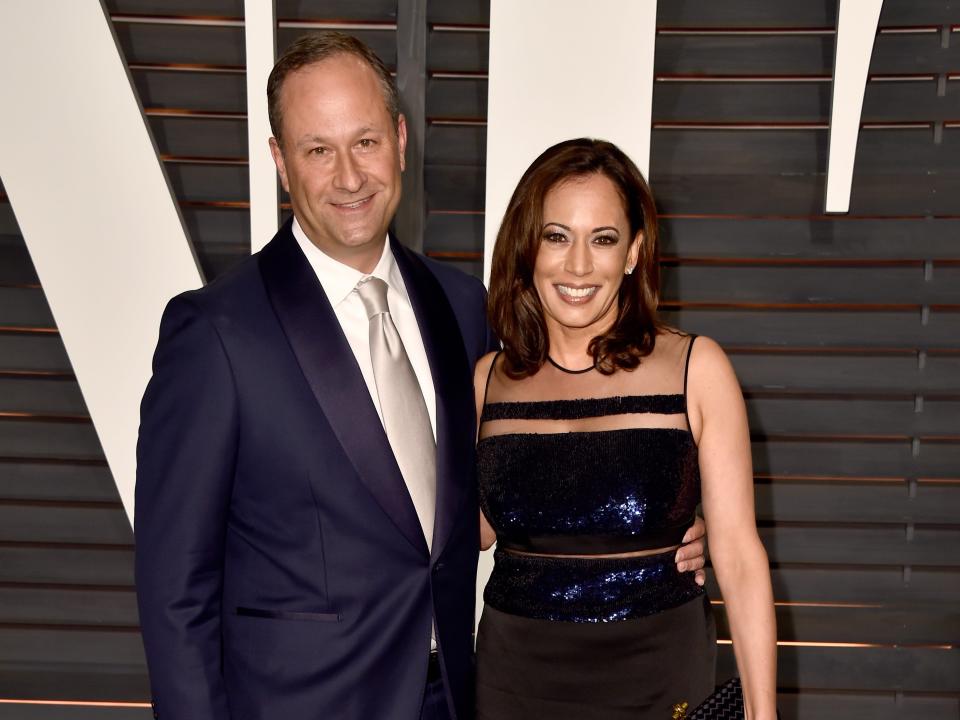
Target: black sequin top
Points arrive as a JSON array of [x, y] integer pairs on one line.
[[607, 491]]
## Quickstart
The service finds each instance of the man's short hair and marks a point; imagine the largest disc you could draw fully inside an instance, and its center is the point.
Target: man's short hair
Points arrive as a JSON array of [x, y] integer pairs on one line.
[[316, 47]]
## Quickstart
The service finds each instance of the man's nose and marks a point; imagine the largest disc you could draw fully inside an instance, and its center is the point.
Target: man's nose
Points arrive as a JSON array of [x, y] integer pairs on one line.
[[348, 175]]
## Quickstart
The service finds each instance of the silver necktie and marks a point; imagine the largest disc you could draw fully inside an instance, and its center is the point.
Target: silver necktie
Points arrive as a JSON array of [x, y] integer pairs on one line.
[[405, 416]]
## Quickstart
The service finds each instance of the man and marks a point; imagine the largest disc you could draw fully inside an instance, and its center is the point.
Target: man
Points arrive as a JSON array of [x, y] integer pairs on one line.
[[306, 520]]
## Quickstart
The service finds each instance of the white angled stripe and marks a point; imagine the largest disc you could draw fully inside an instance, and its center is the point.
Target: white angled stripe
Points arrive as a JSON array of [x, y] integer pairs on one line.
[[561, 69], [94, 206], [856, 29], [260, 25]]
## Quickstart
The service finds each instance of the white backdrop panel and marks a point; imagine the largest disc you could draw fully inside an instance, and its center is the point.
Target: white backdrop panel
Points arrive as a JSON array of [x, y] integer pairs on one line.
[[562, 69], [260, 35], [94, 207], [857, 22]]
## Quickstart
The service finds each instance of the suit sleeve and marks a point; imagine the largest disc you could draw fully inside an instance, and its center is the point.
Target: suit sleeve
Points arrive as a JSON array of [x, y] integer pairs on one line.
[[185, 463]]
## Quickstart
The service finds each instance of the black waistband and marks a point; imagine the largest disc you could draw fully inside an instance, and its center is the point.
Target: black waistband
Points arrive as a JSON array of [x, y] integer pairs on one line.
[[597, 544]]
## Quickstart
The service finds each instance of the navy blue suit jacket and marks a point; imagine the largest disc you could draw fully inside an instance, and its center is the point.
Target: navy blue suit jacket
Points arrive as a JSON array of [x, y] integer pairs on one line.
[[281, 569]]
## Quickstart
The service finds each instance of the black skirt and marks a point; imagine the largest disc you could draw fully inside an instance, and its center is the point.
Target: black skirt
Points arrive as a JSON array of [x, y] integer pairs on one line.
[[639, 668]]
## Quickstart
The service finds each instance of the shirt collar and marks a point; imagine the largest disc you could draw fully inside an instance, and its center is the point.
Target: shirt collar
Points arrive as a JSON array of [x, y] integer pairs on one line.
[[339, 280]]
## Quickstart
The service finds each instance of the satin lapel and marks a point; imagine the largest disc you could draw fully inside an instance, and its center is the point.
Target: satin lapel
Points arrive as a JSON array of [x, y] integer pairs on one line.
[[452, 381], [331, 371]]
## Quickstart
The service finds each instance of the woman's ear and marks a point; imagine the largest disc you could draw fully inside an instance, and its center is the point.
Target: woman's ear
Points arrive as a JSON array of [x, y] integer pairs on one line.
[[633, 255]]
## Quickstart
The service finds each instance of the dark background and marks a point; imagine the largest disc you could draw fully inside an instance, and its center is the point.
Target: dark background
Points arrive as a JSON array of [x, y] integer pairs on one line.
[[844, 330]]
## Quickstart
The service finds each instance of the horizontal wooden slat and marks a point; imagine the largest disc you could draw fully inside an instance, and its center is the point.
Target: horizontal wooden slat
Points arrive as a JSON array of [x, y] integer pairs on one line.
[[66, 711], [24, 306], [462, 12], [882, 705], [763, 152], [457, 51], [796, 101], [52, 606], [16, 268], [451, 187], [823, 328], [148, 43], [48, 439], [456, 145], [56, 481], [871, 668], [464, 97], [857, 459], [848, 373], [224, 92], [122, 650], [64, 524], [33, 352], [861, 584], [864, 416], [836, 501], [193, 182], [214, 8], [812, 284], [867, 544], [796, 54], [98, 565], [784, 13], [41, 396], [78, 681], [882, 626], [454, 233], [817, 236], [200, 137]]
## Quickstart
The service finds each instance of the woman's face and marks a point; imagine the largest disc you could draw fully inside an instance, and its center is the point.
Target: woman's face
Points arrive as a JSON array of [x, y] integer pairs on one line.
[[585, 249]]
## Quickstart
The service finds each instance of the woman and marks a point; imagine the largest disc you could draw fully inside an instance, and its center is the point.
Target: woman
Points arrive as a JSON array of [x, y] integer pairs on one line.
[[600, 429]]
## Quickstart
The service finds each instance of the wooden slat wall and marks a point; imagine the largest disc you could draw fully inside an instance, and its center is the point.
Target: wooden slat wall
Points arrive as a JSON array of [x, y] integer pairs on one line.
[[844, 330]]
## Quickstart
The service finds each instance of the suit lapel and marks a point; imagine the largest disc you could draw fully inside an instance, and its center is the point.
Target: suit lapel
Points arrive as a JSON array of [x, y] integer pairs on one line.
[[331, 370], [452, 382]]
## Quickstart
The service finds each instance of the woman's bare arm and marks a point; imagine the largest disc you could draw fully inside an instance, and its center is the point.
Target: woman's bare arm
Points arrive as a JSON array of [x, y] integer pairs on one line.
[[718, 420]]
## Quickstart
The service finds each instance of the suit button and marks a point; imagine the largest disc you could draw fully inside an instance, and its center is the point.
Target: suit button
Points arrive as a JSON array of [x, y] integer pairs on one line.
[[438, 567]]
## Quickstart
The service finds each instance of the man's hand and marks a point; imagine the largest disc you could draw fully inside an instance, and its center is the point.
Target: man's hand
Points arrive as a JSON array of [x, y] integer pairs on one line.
[[690, 555]]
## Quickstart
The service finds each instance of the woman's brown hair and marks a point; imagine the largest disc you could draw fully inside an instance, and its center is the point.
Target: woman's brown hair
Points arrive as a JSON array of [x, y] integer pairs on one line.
[[514, 308]]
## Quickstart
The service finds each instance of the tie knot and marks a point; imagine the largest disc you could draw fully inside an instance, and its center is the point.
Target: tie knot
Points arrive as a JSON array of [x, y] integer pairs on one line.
[[373, 293]]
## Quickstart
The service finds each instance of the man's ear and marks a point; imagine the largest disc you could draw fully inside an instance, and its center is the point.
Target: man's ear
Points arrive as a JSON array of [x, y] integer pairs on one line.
[[277, 154], [402, 141]]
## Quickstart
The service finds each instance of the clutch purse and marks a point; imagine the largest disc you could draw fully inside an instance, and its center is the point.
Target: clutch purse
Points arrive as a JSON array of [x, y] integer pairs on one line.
[[726, 703]]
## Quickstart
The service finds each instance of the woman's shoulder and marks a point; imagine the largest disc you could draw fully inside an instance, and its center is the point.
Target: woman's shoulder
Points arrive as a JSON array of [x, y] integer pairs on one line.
[[481, 371], [700, 348], [709, 370]]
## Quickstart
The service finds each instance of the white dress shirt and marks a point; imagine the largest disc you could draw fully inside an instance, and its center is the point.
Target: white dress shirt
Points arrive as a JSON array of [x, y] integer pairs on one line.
[[339, 283]]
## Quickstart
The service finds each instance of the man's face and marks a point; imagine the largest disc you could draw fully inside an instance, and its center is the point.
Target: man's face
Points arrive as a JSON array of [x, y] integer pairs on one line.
[[341, 158]]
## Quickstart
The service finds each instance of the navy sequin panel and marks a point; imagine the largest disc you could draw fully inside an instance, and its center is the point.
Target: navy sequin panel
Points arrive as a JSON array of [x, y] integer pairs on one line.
[[587, 590], [582, 493]]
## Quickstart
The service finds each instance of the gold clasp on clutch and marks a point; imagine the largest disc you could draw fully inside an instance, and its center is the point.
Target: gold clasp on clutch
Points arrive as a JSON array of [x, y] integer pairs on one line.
[[680, 710]]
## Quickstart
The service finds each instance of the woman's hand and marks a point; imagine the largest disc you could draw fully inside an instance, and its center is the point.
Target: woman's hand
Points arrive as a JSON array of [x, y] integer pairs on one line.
[[691, 556]]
